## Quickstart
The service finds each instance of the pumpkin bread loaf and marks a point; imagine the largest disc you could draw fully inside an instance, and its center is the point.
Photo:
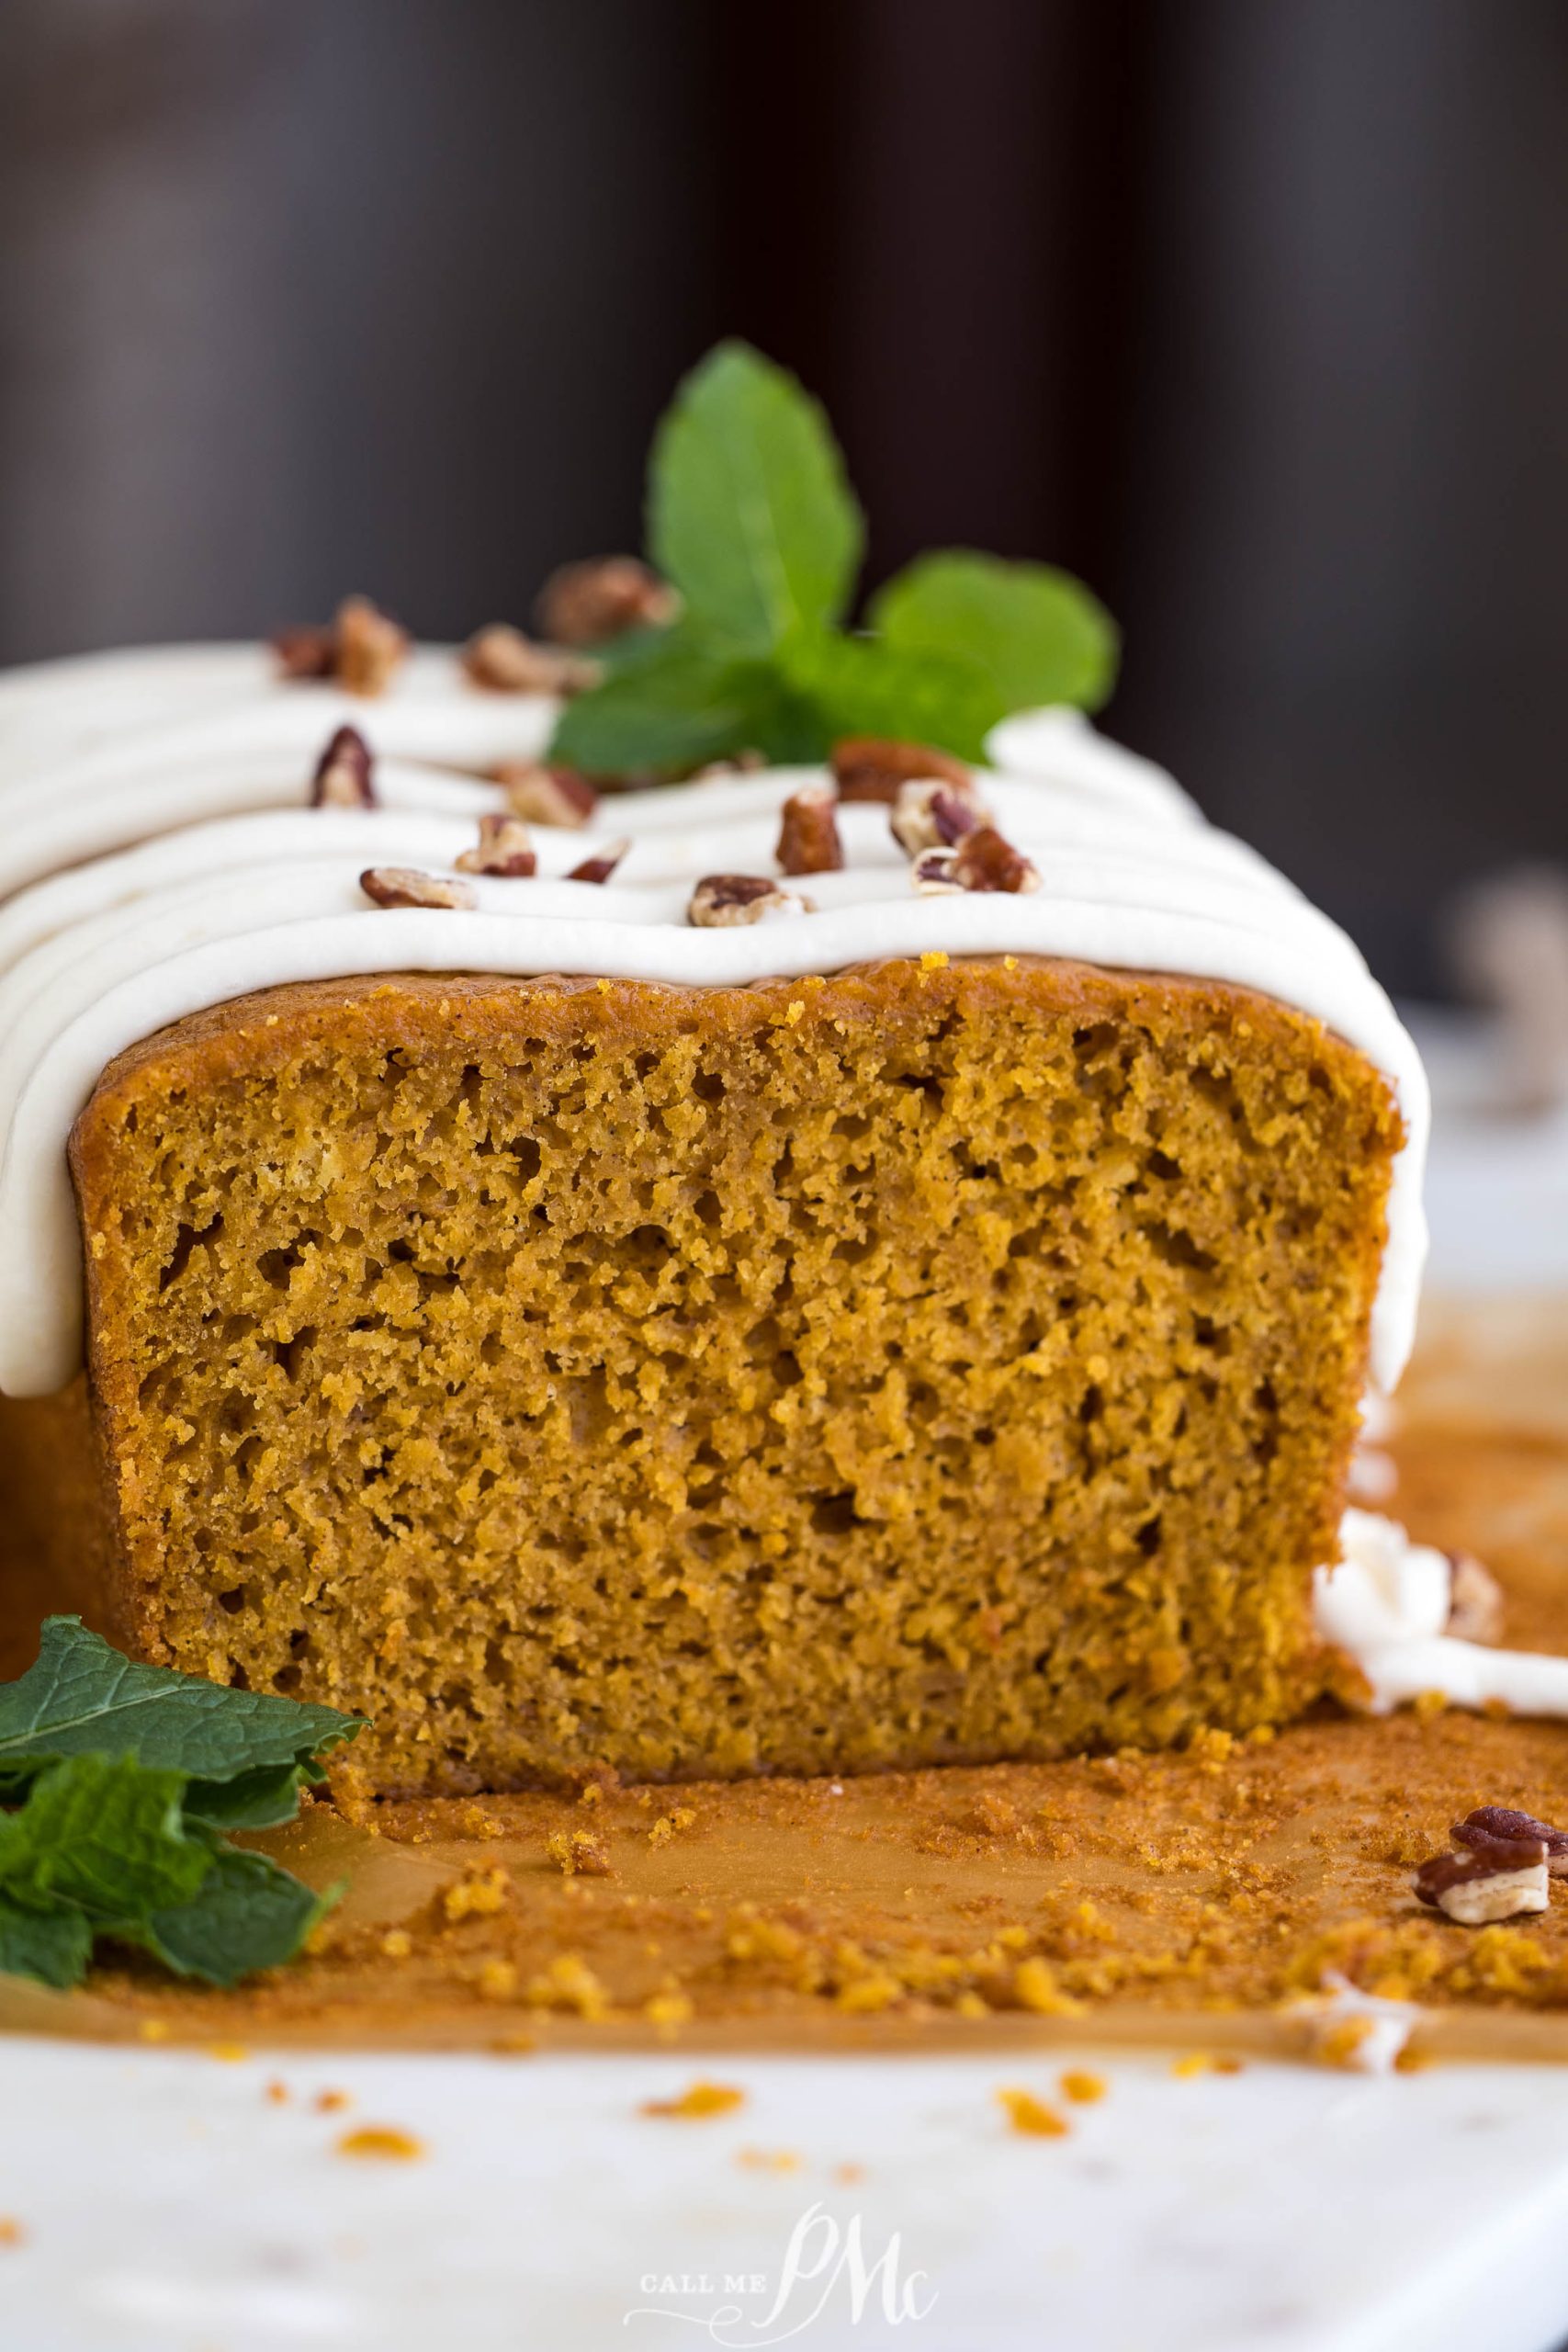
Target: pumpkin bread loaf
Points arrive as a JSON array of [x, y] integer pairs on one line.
[[935, 1360]]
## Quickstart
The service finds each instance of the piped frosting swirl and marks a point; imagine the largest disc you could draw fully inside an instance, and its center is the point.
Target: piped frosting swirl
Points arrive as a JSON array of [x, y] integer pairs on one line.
[[157, 856]]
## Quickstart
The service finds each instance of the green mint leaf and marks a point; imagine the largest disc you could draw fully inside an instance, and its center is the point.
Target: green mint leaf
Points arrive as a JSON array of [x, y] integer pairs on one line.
[[102, 1836], [52, 1947], [247, 1914], [860, 686], [678, 706], [81, 1696], [750, 513], [1036, 634], [263, 1799]]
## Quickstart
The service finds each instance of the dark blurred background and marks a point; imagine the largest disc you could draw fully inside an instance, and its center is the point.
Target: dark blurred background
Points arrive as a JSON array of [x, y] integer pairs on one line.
[[1249, 310]]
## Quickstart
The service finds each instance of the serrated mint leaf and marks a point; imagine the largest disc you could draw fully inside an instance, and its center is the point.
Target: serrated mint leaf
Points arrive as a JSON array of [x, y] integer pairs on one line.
[[1036, 634], [104, 1836], [52, 1947], [676, 708], [263, 1799], [749, 510], [859, 685], [247, 1914], [81, 1696]]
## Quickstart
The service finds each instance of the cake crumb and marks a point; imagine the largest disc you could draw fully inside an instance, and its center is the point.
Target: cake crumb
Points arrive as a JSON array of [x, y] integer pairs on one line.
[[152, 2030], [397, 1944], [497, 1981], [768, 2159], [1205, 2061], [575, 1851], [277, 2093], [570, 1984], [228, 2053], [514, 2045], [703, 2099], [1030, 2116], [935, 959], [331, 2102], [1035, 1987], [1083, 2087], [846, 2176], [11, 2230], [383, 2142], [668, 2010], [478, 1893]]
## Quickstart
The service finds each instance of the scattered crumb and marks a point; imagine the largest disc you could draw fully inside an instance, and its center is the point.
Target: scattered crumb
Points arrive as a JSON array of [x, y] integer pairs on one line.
[[971, 2005], [570, 1984], [1035, 1987], [768, 2159], [477, 1893], [11, 2230], [664, 1828], [228, 2053], [331, 2102], [1082, 2088], [277, 2093], [513, 2046], [397, 1944], [702, 2099], [380, 2140], [667, 2011], [1030, 2116], [152, 2030], [497, 1981], [578, 1850], [1205, 2062], [846, 2176]]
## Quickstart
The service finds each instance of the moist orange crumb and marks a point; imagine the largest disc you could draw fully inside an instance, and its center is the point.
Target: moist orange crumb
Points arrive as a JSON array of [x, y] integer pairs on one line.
[[331, 2102], [575, 1851], [768, 2159], [276, 2093], [763, 1396], [1030, 2116], [1083, 2087], [478, 1893], [11, 2230], [380, 2140], [704, 2098]]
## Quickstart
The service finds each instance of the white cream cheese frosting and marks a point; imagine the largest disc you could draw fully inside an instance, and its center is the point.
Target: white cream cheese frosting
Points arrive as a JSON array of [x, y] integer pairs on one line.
[[157, 856]]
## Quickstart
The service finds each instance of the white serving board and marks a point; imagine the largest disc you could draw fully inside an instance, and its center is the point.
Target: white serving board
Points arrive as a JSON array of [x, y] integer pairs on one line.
[[169, 2206]]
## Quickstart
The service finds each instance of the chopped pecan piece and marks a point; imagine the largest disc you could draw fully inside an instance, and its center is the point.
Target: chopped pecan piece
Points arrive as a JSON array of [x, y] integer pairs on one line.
[[1475, 1600], [361, 649], [602, 865], [345, 776], [930, 814], [505, 848], [982, 861], [1493, 1878], [1504, 1821], [588, 604], [547, 796], [722, 899], [503, 659], [405, 885], [872, 767], [808, 832]]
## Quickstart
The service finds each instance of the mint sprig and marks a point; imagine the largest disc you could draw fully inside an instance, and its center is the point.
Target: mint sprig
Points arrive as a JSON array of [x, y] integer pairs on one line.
[[122, 1778], [751, 517]]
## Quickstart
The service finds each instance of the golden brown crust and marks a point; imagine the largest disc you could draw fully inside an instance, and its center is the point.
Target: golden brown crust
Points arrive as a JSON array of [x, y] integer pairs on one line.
[[935, 1360]]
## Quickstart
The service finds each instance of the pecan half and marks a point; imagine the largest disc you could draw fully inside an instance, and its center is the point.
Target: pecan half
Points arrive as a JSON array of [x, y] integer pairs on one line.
[[404, 886], [1504, 1821], [872, 767], [808, 832], [361, 649], [1493, 1878], [1475, 1600], [722, 899], [602, 865], [345, 775], [547, 796], [588, 604], [503, 660], [982, 861], [505, 848], [930, 814]]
